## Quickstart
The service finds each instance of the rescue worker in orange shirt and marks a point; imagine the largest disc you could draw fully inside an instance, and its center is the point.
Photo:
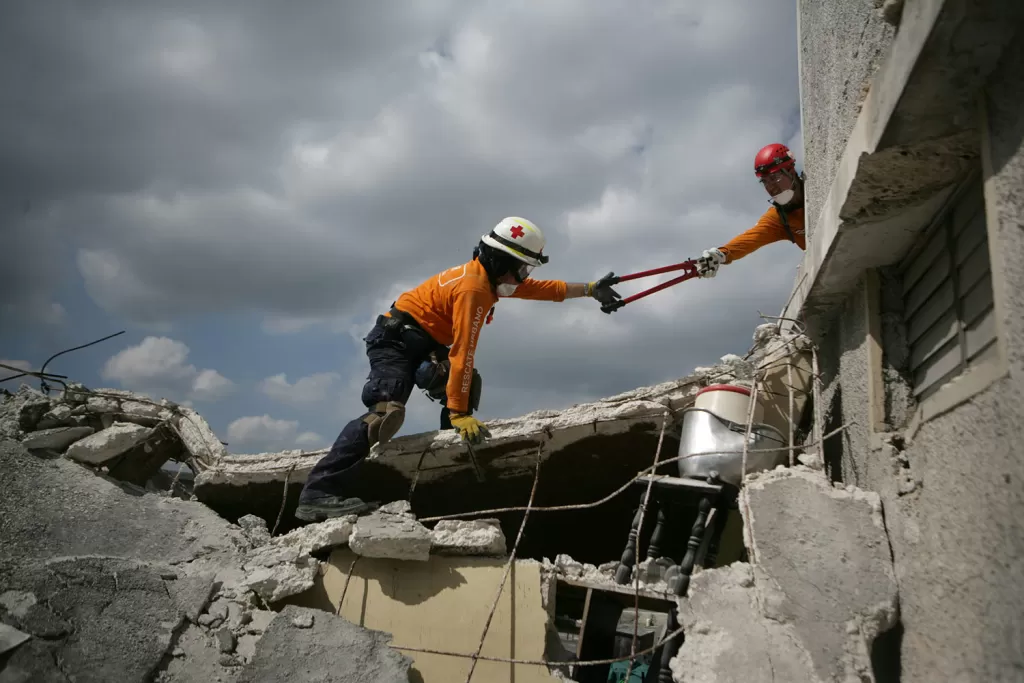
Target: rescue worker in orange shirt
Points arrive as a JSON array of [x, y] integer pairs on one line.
[[429, 339], [776, 169]]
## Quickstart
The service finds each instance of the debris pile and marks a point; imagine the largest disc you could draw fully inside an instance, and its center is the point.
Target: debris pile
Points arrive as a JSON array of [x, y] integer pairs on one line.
[[127, 435]]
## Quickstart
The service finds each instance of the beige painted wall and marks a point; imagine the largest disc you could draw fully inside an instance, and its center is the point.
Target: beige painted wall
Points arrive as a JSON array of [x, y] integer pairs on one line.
[[442, 604]]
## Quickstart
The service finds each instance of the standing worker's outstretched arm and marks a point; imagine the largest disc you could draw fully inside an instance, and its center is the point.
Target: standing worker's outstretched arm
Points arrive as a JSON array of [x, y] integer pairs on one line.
[[776, 171]]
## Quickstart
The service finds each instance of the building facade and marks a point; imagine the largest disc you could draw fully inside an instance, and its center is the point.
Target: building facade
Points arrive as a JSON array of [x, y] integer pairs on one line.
[[912, 289]]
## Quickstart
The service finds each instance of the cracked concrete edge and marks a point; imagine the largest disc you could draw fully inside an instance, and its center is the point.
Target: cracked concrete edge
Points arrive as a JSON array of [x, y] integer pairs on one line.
[[608, 416], [759, 480]]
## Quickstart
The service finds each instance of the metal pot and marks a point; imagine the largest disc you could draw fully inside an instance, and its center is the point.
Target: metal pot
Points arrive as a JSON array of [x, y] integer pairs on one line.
[[711, 444]]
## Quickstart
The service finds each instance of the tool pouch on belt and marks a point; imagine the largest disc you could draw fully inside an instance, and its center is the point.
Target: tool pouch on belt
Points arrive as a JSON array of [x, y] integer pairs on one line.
[[432, 377]]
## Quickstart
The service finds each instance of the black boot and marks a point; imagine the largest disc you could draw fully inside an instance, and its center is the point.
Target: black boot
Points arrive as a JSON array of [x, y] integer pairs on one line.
[[326, 507]]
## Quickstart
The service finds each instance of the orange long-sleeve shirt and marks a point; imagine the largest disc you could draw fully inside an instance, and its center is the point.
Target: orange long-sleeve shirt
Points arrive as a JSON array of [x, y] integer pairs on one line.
[[452, 306], [768, 229]]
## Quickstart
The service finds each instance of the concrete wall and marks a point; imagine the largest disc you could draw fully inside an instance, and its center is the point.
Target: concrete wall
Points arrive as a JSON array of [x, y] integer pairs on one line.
[[953, 489], [841, 45]]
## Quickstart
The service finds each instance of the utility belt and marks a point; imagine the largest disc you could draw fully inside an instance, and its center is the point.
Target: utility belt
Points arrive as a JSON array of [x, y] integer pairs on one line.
[[432, 374]]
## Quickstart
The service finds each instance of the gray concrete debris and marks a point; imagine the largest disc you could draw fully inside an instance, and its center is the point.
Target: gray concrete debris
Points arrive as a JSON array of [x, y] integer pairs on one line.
[[398, 507], [255, 529], [140, 409], [11, 638], [729, 639], [56, 508], [468, 537], [198, 437], [17, 603], [103, 620], [283, 565], [303, 620], [825, 552], [56, 439], [390, 536], [280, 573], [331, 649], [320, 536], [58, 416], [105, 445], [226, 640], [21, 411], [101, 404]]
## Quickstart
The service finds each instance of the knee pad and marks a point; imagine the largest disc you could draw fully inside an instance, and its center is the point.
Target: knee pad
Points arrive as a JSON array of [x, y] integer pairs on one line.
[[385, 421]]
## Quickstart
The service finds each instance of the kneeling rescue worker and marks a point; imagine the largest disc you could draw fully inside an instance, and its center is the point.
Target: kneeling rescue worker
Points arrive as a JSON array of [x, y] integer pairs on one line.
[[429, 339], [776, 169]]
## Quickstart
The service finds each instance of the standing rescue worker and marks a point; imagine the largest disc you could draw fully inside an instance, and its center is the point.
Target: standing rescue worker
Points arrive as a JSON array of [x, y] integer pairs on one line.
[[776, 169], [429, 339]]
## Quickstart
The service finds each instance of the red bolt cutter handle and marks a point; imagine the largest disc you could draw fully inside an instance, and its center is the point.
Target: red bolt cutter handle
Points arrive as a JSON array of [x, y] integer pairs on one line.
[[689, 266]]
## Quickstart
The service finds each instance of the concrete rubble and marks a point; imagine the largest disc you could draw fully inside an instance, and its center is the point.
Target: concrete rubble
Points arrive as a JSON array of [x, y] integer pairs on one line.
[[99, 556], [390, 536], [468, 537], [125, 434], [819, 589], [105, 445], [103, 581], [325, 648]]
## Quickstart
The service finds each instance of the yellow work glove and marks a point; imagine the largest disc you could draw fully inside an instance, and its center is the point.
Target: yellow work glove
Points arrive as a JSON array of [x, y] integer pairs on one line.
[[470, 428]]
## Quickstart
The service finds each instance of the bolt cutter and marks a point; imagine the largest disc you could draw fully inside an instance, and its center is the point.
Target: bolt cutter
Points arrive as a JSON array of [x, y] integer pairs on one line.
[[611, 279]]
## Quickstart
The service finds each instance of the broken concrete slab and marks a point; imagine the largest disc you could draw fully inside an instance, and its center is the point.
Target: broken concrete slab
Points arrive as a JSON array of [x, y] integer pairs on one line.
[[390, 536], [468, 537], [320, 536], [198, 437], [330, 649], [191, 593], [105, 445], [513, 441], [255, 530], [58, 416], [729, 639], [827, 552], [57, 439], [283, 580], [277, 571]]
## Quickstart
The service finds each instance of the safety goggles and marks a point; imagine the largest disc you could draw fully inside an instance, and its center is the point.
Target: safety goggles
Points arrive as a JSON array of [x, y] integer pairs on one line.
[[523, 272]]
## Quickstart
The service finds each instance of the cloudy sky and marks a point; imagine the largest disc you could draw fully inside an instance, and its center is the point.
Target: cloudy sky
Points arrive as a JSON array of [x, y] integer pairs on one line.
[[243, 186]]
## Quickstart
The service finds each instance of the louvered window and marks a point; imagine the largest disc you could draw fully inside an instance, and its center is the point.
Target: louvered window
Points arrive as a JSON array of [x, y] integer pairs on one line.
[[947, 295]]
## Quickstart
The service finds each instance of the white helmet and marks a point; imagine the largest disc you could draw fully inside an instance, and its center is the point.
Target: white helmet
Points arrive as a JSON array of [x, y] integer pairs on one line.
[[519, 238]]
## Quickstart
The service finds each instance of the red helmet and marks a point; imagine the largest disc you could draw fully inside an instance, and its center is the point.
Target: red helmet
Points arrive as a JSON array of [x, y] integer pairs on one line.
[[773, 157]]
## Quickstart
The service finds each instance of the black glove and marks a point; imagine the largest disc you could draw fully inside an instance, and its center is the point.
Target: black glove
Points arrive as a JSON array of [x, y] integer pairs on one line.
[[602, 290]]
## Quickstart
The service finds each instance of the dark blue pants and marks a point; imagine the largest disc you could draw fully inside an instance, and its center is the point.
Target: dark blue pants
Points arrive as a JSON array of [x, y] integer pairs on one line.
[[394, 354]]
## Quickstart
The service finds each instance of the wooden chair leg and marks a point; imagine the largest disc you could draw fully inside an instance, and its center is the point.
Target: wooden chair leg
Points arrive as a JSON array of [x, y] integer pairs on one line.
[[624, 572], [696, 536]]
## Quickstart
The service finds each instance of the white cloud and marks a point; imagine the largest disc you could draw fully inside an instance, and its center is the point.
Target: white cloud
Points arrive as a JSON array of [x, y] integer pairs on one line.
[[263, 432], [158, 366], [310, 389]]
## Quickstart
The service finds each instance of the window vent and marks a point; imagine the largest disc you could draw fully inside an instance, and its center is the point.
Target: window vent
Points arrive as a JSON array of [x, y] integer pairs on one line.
[[947, 294]]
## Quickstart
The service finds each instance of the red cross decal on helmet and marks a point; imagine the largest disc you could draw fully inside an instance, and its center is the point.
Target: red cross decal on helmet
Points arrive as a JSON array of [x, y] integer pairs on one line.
[[516, 231]]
